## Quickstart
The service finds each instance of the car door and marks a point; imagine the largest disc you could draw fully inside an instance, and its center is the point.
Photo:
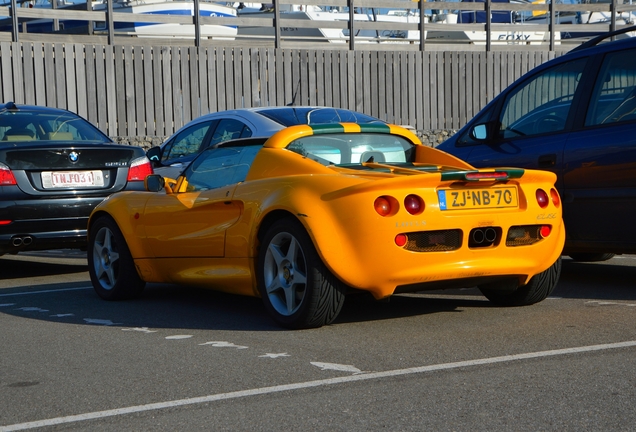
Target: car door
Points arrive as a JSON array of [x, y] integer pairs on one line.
[[599, 178], [530, 127], [193, 222]]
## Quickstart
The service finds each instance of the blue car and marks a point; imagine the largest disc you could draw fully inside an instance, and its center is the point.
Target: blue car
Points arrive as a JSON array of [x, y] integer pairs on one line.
[[575, 116]]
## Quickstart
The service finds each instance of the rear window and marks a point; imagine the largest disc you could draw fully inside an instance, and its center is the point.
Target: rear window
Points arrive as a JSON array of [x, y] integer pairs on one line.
[[290, 116], [347, 149], [42, 126]]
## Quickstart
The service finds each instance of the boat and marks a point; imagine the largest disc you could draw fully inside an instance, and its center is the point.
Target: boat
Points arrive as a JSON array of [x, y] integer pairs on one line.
[[517, 34], [623, 18], [331, 14], [140, 29]]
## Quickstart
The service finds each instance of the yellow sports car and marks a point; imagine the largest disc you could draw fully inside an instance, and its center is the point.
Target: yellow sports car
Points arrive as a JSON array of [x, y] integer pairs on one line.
[[314, 212]]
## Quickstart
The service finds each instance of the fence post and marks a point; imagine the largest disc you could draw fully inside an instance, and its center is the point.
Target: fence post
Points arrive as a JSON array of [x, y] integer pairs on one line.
[[488, 26], [421, 26], [14, 21], [352, 38], [197, 24], [276, 24], [110, 22]]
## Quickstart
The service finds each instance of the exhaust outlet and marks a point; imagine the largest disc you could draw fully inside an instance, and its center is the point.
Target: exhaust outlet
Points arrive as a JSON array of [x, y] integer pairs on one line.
[[490, 235], [16, 241], [478, 236], [27, 240]]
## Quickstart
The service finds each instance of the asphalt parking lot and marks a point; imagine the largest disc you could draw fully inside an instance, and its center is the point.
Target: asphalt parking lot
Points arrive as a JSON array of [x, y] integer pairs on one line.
[[190, 359]]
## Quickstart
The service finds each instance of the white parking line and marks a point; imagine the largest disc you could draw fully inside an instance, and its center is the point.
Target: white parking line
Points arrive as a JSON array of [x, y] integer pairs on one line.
[[44, 292], [309, 384]]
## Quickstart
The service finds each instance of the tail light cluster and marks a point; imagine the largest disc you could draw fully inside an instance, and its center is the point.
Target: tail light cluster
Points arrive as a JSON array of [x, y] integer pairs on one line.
[[386, 205], [6, 176], [543, 199], [139, 169]]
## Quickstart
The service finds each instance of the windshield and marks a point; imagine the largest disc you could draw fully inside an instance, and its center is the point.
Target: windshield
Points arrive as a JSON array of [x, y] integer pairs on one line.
[[43, 126], [354, 148], [291, 116]]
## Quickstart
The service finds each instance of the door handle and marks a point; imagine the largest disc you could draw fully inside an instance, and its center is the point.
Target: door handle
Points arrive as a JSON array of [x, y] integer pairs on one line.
[[547, 161]]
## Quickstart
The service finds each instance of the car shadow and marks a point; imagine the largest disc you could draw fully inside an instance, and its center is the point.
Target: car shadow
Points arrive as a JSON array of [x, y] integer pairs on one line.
[[178, 307]]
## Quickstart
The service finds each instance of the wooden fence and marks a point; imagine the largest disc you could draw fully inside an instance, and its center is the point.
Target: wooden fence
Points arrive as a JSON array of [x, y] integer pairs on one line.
[[134, 91]]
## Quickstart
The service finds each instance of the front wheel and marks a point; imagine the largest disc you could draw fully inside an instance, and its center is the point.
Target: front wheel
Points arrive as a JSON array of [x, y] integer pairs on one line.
[[508, 293], [297, 289], [110, 264]]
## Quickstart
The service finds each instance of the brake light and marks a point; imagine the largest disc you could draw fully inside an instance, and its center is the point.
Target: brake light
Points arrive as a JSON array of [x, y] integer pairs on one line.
[[495, 175], [382, 205], [6, 176], [556, 200], [139, 169], [5, 222], [542, 198], [414, 204]]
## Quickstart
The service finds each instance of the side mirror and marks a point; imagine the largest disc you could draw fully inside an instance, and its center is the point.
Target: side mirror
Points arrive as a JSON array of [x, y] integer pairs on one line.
[[154, 154], [479, 132], [154, 183]]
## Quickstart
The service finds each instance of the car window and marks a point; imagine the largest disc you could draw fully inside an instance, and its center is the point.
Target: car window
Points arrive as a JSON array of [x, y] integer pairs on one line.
[[342, 149], [542, 104], [614, 96], [228, 129], [39, 126], [187, 142], [220, 167], [290, 116]]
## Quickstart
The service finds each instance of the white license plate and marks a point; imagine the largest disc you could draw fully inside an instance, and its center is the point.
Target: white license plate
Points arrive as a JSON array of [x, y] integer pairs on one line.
[[72, 179]]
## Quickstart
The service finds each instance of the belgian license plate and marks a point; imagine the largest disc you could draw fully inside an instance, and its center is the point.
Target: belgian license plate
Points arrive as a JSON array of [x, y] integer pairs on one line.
[[72, 179], [462, 199]]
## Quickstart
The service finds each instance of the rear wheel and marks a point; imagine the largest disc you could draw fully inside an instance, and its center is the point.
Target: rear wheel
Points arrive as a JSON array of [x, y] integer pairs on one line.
[[591, 257], [297, 289], [110, 263], [509, 293]]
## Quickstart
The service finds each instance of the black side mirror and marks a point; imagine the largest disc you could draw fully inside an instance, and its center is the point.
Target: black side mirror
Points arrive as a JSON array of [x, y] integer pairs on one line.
[[154, 154], [154, 183]]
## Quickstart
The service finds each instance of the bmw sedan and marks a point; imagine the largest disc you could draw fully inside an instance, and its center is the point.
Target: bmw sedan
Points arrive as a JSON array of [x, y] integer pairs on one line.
[[211, 129], [55, 167]]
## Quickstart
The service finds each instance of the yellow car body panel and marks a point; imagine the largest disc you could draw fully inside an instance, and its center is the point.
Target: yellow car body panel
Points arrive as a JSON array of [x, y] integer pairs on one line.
[[211, 238]]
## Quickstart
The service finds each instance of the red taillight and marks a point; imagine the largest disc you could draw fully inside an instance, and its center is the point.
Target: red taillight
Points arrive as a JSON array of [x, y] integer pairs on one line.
[[139, 169], [401, 239], [556, 200], [6, 176], [542, 198], [383, 206], [495, 175], [5, 222], [414, 204], [545, 231]]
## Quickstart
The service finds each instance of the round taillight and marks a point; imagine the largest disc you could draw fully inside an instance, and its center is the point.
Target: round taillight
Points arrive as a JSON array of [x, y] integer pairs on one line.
[[542, 198], [382, 206], [545, 231], [556, 199], [401, 239], [414, 204]]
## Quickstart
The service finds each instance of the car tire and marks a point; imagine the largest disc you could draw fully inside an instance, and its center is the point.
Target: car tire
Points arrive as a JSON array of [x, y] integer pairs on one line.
[[591, 257], [297, 289], [110, 264], [508, 293]]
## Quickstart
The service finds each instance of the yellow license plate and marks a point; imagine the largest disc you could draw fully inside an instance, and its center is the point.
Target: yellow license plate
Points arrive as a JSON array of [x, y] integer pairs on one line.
[[463, 199]]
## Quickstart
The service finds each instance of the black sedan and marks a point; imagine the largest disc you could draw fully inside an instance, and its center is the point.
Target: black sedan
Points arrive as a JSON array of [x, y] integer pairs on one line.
[[55, 167]]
